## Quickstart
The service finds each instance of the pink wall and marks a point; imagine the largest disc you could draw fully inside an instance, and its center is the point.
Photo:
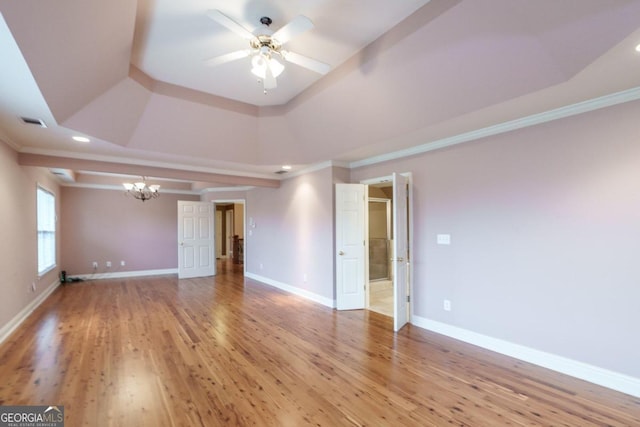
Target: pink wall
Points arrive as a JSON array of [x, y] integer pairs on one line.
[[545, 233], [293, 234], [106, 225], [18, 229]]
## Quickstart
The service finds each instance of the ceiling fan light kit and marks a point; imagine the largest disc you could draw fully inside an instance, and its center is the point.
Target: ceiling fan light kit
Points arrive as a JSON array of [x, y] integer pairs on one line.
[[265, 46]]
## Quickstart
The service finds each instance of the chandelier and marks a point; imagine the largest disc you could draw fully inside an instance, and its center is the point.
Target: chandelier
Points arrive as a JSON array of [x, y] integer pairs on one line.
[[141, 191]]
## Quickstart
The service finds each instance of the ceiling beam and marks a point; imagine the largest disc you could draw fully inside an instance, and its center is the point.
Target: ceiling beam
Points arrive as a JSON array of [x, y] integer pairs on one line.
[[46, 161]]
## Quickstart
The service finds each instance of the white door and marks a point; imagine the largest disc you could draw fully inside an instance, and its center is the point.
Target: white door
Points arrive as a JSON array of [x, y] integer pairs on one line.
[[195, 240], [400, 253], [350, 247]]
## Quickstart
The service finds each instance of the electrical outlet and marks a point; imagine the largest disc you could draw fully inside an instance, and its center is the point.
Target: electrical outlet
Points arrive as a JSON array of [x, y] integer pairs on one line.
[[33, 286], [122, 264], [261, 266], [108, 264], [447, 305], [95, 264], [304, 277]]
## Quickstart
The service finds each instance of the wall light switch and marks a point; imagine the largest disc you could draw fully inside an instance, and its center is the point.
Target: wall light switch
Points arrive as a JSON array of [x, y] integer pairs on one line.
[[444, 239]]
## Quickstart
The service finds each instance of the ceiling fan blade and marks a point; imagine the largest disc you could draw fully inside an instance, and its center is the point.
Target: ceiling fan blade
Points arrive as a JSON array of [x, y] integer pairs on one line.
[[218, 60], [232, 25], [269, 79], [298, 25], [306, 62]]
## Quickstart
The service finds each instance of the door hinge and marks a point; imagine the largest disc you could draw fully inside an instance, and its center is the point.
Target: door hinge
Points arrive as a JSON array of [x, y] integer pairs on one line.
[[408, 298]]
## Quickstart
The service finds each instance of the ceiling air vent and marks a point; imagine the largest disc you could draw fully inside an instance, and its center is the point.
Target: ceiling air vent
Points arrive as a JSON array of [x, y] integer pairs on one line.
[[30, 121], [280, 172], [65, 175]]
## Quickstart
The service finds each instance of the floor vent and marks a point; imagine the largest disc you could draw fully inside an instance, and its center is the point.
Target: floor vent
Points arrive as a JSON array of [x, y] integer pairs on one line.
[[37, 122]]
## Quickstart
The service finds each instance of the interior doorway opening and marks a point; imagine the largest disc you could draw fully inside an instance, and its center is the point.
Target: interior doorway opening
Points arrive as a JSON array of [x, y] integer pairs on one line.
[[380, 239], [354, 288], [230, 230]]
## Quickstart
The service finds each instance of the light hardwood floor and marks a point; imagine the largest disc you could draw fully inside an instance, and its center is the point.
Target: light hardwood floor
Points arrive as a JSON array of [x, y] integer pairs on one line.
[[229, 351]]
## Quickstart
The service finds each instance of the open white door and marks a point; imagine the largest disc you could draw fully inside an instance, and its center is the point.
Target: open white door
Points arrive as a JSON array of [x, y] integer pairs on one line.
[[196, 243], [350, 247], [400, 253]]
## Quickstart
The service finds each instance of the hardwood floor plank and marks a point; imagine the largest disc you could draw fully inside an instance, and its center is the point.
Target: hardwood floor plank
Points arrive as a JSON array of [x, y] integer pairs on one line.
[[228, 351]]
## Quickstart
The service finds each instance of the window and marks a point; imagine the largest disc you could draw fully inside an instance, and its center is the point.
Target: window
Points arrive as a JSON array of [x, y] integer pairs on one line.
[[46, 206]]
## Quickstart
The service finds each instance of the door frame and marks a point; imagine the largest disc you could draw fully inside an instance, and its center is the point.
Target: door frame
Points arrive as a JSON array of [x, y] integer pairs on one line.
[[389, 179], [242, 202]]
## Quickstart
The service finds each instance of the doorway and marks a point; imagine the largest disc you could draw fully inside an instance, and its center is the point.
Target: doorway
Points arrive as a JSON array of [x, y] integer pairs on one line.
[[230, 230], [380, 285], [353, 287]]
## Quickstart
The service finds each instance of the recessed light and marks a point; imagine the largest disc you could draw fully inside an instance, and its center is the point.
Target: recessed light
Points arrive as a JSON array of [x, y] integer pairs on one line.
[[81, 138], [638, 48], [286, 167]]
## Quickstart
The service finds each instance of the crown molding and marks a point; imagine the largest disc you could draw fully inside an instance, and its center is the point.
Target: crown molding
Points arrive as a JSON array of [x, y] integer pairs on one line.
[[532, 120], [316, 167]]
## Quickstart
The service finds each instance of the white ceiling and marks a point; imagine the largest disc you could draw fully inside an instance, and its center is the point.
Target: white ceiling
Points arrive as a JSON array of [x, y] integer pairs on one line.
[[173, 39], [405, 74]]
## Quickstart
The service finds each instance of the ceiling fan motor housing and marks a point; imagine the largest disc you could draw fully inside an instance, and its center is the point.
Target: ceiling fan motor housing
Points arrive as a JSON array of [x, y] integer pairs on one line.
[[265, 44]]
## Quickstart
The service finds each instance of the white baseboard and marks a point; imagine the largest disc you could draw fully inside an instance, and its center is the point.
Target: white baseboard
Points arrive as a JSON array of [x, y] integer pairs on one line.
[[121, 274], [293, 290], [11, 326], [600, 376]]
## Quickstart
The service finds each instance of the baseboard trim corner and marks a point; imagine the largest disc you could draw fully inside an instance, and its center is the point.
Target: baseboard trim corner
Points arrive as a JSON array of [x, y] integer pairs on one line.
[[17, 320], [292, 290]]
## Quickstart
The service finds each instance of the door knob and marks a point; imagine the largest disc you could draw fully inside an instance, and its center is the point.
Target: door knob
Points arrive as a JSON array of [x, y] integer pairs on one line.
[[340, 253]]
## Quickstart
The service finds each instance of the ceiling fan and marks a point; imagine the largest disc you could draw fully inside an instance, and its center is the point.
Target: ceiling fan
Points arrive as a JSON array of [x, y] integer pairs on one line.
[[265, 46]]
